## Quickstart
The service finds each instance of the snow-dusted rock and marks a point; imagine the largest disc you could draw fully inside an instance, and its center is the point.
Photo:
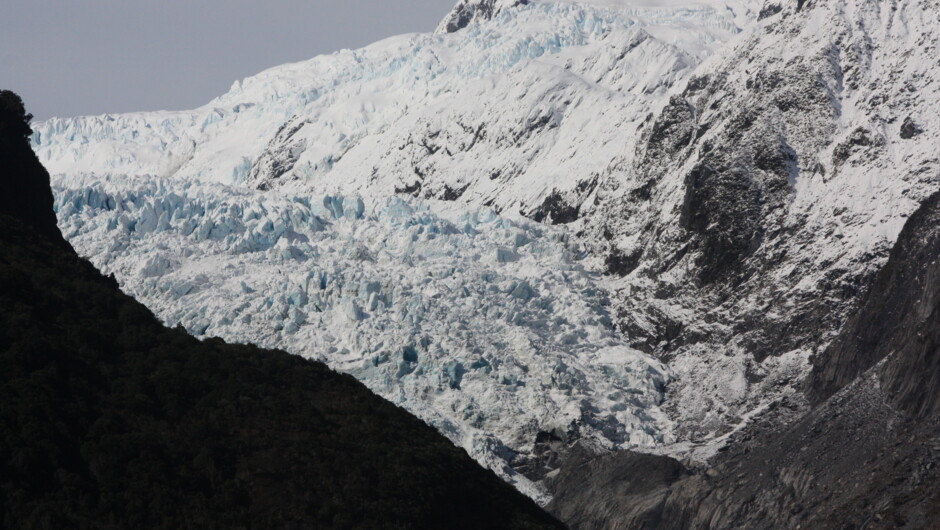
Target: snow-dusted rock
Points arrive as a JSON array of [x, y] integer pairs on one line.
[[765, 196], [467, 12]]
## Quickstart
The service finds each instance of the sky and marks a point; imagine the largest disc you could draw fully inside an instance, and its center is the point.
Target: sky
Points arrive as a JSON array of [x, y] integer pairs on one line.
[[79, 57]]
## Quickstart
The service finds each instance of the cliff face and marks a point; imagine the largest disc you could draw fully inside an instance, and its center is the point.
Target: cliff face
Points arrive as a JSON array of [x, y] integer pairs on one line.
[[897, 322], [867, 455], [911, 376], [110, 420]]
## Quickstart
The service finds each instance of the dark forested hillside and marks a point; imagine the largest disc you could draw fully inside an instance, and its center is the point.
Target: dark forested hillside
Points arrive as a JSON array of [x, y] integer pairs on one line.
[[110, 420], [24, 183]]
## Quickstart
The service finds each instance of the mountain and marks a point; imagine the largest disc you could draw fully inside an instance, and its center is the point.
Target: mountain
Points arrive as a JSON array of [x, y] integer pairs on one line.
[[110, 420], [805, 219], [338, 208], [563, 232]]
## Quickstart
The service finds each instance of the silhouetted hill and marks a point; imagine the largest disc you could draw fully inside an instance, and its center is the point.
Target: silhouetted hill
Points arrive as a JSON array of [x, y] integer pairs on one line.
[[110, 420], [24, 183]]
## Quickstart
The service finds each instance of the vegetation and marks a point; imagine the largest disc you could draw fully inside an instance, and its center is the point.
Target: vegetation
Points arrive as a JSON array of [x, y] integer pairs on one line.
[[24, 183]]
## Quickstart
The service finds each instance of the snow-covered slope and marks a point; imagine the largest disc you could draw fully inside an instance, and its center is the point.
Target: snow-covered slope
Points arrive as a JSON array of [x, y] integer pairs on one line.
[[531, 106], [490, 330], [764, 198]]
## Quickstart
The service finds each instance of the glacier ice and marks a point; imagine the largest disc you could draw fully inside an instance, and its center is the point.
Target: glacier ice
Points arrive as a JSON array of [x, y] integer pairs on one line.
[[490, 329]]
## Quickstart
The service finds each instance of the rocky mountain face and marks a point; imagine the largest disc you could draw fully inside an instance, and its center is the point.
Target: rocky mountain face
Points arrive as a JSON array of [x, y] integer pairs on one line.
[[867, 456], [788, 204], [468, 11], [897, 322], [765, 197]]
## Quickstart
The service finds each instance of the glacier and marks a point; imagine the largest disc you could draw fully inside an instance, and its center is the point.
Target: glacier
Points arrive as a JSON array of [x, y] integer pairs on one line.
[[491, 330], [374, 209]]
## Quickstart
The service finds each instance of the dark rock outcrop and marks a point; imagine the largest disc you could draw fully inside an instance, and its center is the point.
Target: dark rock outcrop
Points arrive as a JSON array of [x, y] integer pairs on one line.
[[556, 210], [895, 319], [622, 490], [280, 156], [910, 129], [468, 11]]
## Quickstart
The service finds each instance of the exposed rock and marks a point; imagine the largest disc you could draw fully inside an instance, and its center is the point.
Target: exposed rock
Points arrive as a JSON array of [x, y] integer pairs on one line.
[[892, 322], [769, 10], [867, 456], [468, 11], [623, 490], [556, 210], [910, 129], [858, 141]]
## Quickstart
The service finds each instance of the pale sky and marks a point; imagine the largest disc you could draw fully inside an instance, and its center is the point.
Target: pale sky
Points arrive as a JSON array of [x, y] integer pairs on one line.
[[78, 57]]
